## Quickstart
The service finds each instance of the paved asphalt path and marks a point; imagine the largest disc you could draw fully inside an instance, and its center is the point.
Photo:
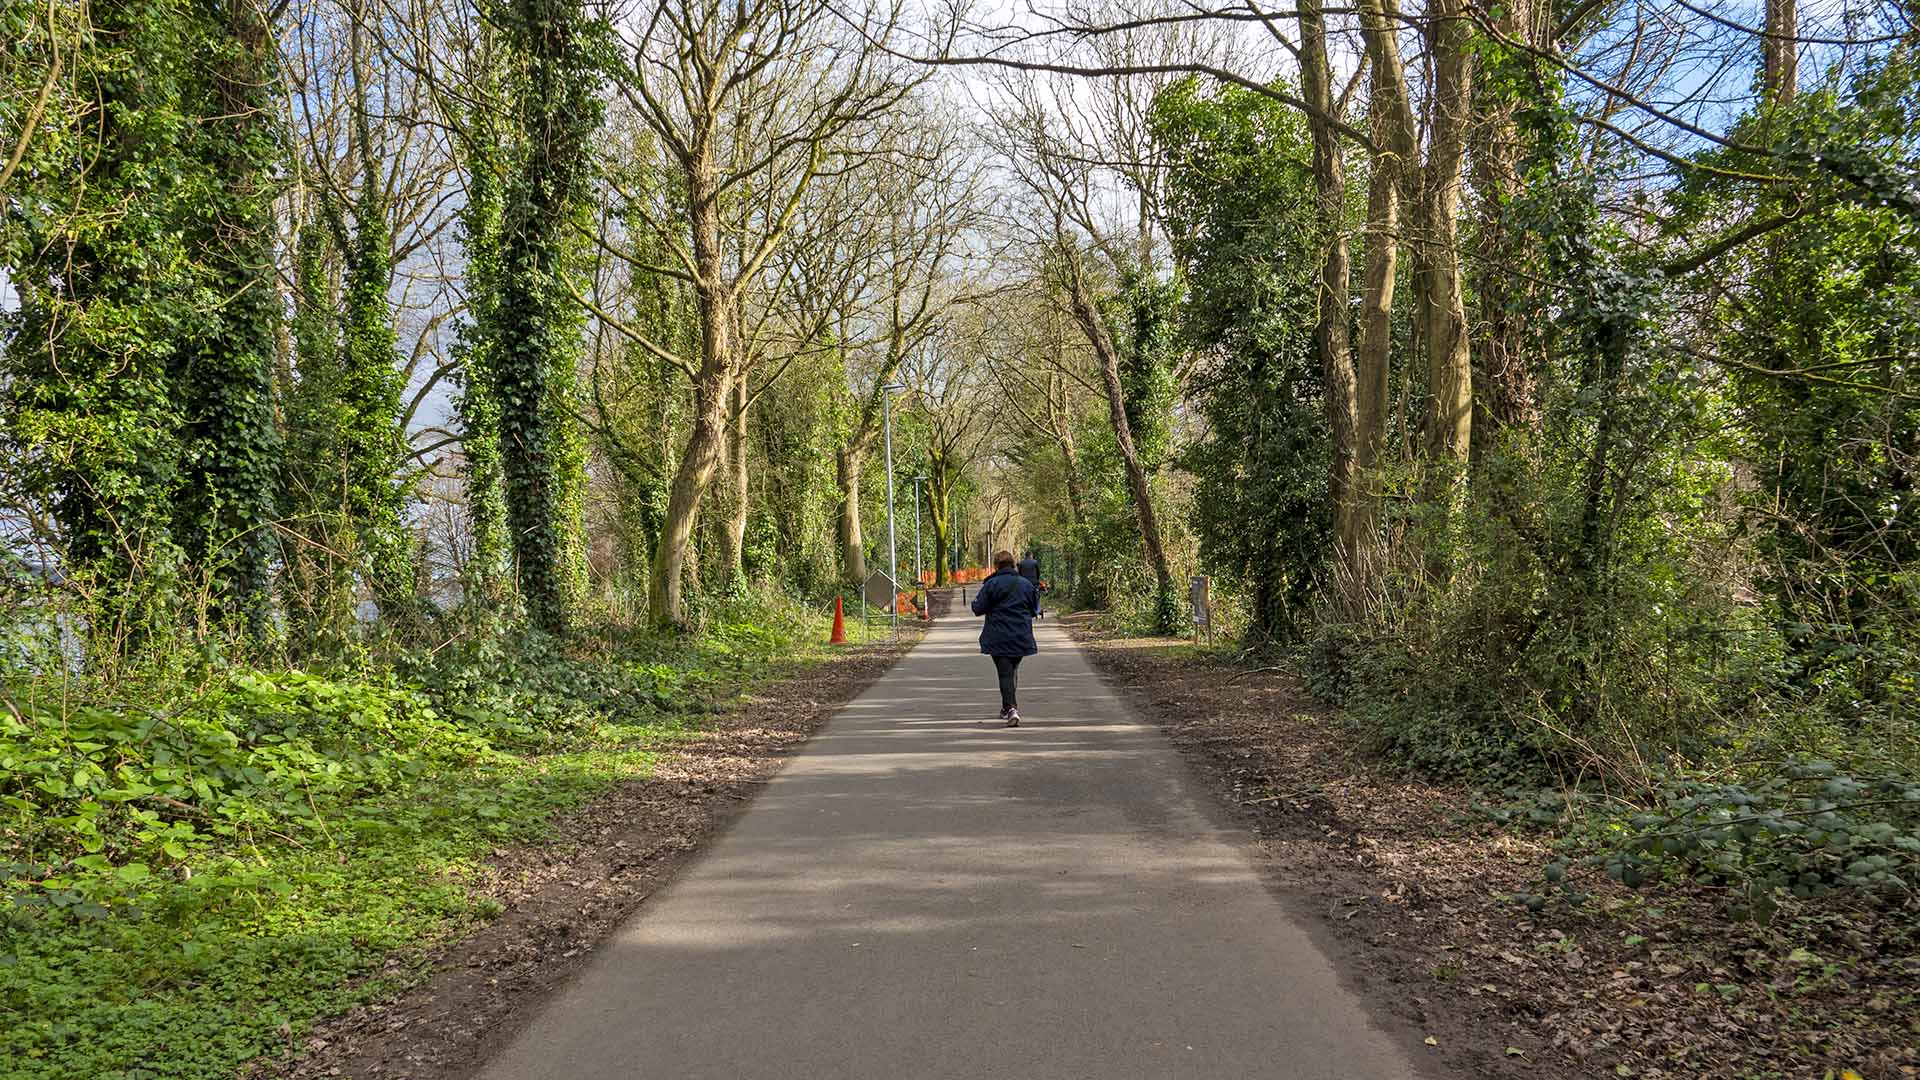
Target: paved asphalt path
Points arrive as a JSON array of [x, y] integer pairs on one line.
[[922, 893]]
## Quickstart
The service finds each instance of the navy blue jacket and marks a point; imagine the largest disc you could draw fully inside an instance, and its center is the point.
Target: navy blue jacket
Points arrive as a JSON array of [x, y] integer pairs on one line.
[[1009, 602]]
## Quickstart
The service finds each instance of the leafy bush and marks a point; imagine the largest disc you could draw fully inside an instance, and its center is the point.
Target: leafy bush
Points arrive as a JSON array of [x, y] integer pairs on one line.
[[191, 873], [100, 799], [1804, 827], [1807, 829]]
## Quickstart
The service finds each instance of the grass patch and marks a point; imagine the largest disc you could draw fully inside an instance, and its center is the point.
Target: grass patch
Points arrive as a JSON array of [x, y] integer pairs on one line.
[[191, 875]]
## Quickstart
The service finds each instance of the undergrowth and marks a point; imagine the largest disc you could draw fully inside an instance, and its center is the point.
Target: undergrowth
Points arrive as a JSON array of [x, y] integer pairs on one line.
[[193, 870]]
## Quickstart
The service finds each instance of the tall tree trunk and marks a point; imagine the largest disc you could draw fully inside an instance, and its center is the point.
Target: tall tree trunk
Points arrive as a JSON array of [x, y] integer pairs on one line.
[[226, 384], [853, 543], [733, 532], [1780, 71], [485, 580], [1087, 314], [317, 582], [1062, 424], [1332, 337], [1504, 370], [719, 366], [1390, 115], [665, 597], [537, 323], [939, 502], [853, 551], [374, 385], [1449, 420]]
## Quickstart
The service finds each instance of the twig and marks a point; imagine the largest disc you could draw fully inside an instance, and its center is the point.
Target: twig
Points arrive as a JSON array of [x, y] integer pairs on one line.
[[1316, 789]]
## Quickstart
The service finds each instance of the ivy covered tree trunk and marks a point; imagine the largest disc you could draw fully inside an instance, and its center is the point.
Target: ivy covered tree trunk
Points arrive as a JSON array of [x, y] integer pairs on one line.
[[940, 483], [103, 279], [1332, 336], [1505, 297], [733, 539], [537, 323], [224, 372], [317, 590], [1087, 314], [1449, 418], [1392, 170], [485, 578], [371, 382]]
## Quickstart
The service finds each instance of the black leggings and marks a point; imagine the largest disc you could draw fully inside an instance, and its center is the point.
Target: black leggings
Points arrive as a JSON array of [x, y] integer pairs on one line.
[[1009, 669]]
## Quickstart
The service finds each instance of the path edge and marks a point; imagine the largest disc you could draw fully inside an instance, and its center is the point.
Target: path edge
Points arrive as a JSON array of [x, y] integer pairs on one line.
[[1238, 829], [447, 1024]]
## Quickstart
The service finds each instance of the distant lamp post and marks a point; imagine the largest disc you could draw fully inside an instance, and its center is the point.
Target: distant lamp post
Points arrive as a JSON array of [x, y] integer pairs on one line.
[[893, 551]]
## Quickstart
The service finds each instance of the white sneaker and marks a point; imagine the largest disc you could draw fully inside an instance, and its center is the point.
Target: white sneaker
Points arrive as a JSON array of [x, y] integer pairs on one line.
[[1013, 717]]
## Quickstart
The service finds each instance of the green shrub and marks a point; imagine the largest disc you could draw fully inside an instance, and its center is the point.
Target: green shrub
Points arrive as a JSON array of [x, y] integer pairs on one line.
[[190, 874], [1804, 827]]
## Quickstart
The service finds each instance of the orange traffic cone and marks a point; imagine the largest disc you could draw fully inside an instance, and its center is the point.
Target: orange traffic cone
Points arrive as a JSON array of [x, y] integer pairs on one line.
[[839, 623]]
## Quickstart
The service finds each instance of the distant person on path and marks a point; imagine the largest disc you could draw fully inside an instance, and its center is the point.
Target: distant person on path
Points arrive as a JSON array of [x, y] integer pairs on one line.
[[1030, 569], [1010, 603]]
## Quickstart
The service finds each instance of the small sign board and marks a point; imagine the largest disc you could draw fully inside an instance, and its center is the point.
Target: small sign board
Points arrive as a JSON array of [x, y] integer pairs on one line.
[[1202, 603], [939, 602], [879, 590]]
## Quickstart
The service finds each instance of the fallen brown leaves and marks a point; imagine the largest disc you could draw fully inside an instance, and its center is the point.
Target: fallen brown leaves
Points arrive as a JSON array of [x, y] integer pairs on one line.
[[1414, 894]]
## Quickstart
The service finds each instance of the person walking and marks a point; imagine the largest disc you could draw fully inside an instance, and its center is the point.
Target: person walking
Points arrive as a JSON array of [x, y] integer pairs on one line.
[[1030, 569], [1009, 603]]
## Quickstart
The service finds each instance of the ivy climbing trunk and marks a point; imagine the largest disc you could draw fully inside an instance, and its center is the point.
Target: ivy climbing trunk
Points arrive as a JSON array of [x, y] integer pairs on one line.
[[372, 384], [1332, 336], [484, 579], [537, 325], [733, 539], [318, 589], [101, 275], [1503, 295], [1442, 308], [224, 370], [1390, 118], [940, 482], [1087, 314]]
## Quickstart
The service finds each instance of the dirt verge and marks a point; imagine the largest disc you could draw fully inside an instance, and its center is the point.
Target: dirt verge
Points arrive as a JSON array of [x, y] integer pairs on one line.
[[560, 899], [1415, 896]]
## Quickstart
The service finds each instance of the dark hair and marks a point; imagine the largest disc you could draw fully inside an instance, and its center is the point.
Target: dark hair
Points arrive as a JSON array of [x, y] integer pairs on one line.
[[1002, 559]]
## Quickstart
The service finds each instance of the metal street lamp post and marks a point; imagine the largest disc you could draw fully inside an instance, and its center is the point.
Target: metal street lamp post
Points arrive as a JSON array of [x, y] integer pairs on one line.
[[893, 552]]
